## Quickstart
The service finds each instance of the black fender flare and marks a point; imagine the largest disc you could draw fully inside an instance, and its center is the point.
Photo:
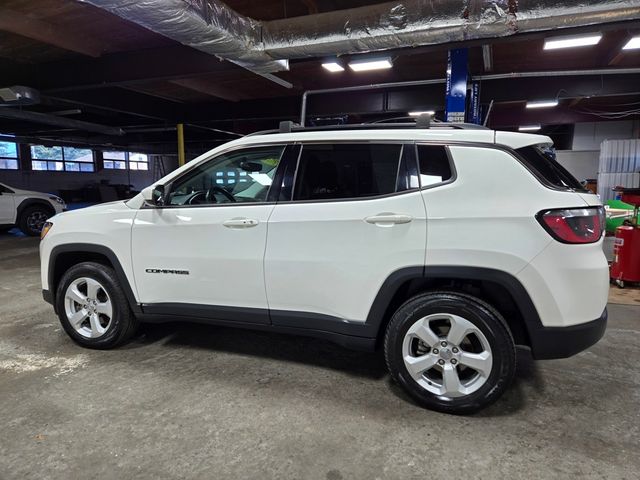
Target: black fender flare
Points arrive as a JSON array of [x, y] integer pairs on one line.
[[393, 283], [97, 249]]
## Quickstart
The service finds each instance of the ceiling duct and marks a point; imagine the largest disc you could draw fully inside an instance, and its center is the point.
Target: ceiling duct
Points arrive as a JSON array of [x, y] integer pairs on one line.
[[206, 25], [266, 46]]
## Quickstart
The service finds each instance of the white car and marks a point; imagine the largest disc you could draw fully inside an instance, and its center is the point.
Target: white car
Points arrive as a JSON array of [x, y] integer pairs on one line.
[[444, 246], [26, 209]]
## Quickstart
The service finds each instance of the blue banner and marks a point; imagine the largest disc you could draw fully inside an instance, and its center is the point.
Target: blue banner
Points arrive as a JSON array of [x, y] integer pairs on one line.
[[475, 115], [456, 85]]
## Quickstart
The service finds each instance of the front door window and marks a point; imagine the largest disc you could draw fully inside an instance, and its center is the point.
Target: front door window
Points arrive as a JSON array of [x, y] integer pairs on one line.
[[242, 176]]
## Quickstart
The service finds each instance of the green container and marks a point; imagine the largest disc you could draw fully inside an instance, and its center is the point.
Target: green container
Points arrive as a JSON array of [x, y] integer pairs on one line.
[[613, 223]]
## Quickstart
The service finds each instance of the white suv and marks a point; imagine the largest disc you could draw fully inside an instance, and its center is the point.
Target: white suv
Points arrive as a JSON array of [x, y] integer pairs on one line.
[[446, 246], [26, 209]]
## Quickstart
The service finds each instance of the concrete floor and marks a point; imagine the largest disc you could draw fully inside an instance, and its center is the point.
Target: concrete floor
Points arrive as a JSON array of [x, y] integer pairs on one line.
[[185, 401]]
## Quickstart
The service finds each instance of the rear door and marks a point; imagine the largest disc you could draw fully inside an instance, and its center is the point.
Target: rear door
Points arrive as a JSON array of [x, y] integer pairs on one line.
[[354, 216]]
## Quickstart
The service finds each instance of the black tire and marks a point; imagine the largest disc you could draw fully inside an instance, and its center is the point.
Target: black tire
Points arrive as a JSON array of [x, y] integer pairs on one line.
[[481, 315], [123, 322], [32, 219]]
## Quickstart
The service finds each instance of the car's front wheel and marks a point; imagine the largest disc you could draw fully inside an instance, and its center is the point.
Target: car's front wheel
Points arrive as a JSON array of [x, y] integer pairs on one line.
[[33, 219], [451, 352], [93, 308]]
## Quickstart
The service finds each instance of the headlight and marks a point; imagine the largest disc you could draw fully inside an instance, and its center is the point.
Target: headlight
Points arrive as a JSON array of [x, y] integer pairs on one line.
[[56, 199], [45, 229]]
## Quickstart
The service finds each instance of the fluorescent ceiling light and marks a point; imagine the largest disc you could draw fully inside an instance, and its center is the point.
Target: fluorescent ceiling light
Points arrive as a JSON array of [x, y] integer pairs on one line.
[[529, 128], [333, 67], [542, 104], [632, 44], [570, 42], [370, 64], [425, 112]]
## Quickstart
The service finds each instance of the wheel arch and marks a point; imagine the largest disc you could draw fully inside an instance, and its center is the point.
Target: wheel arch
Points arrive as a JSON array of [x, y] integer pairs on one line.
[[498, 288], [63, 257], [33, 202]]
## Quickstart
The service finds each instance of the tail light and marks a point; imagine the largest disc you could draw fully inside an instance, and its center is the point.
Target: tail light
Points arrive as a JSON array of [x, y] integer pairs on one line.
[[574, 225]]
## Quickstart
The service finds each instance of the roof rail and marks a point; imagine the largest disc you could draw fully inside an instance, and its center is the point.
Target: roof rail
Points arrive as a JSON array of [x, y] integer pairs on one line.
[[289, 127]]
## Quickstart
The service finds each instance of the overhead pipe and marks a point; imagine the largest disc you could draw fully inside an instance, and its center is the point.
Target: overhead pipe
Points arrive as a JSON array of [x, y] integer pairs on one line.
[[36, 117], [265, 47]]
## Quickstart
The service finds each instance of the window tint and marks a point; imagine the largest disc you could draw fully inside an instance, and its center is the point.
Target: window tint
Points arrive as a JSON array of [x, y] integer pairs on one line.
[[347, 170], [541, 160], [434, 164], [234, 177]]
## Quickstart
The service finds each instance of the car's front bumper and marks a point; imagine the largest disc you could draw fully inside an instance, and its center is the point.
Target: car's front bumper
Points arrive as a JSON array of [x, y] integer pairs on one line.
[[563, 342]]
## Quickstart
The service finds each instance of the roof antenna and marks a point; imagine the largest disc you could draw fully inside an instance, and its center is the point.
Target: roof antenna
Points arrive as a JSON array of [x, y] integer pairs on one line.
[[423, 121]]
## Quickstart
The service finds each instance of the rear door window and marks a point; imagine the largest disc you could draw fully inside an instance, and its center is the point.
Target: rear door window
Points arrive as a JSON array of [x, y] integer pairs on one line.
[[541, 161], [347, 170]]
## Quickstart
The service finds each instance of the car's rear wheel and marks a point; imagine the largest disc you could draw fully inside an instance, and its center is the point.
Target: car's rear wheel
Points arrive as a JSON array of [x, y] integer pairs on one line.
[[93, 308], [33, 219], [451, 352]]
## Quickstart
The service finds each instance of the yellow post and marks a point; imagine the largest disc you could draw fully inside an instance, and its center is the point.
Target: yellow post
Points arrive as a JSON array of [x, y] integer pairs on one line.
[[181, 157]]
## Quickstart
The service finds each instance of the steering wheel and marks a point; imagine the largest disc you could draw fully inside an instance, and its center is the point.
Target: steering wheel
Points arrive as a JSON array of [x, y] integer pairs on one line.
[[211, 198]]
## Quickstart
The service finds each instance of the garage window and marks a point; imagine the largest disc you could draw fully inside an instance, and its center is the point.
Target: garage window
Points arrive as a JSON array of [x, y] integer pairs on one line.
[[138, 161], [347, 170], [61, 159], [114, 160], [8, 156]]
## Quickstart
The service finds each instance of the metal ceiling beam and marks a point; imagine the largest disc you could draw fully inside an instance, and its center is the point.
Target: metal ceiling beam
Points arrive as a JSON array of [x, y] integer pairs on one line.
[[116, 69], [36, 117], [209, 87], [45, 32], [119, 100]]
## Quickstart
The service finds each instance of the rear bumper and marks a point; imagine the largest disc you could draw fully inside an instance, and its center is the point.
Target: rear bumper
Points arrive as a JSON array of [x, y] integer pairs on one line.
[[563, 342]]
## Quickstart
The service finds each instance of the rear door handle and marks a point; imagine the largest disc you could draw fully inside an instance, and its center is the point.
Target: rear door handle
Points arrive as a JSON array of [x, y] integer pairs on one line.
[[388, 219], [240, 223]]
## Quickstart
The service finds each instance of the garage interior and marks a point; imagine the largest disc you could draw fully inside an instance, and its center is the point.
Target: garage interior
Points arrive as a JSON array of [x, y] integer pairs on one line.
[[101, 98]]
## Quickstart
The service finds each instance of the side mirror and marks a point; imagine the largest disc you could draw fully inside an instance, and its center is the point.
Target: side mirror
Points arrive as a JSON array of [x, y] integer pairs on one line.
[[154, 195]]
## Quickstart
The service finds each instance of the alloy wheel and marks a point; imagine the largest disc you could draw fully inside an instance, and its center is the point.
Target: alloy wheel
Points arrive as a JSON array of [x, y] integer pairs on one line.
[[447, 355], [88, 307]]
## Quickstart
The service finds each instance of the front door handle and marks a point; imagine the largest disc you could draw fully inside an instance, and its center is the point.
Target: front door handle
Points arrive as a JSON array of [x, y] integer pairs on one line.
[[388, 219], [240, 223]]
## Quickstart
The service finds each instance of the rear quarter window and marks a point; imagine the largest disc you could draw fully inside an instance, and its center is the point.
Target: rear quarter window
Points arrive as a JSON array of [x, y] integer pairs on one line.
[[434, 164], [541, 161]]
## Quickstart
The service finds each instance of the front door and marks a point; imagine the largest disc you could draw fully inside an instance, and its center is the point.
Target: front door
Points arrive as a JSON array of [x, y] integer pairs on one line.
[[202, 253], [7, 206]]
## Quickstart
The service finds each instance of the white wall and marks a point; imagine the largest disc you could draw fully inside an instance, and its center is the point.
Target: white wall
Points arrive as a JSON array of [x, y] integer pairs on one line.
[[582, 160], [581, 165], [589, 136]]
